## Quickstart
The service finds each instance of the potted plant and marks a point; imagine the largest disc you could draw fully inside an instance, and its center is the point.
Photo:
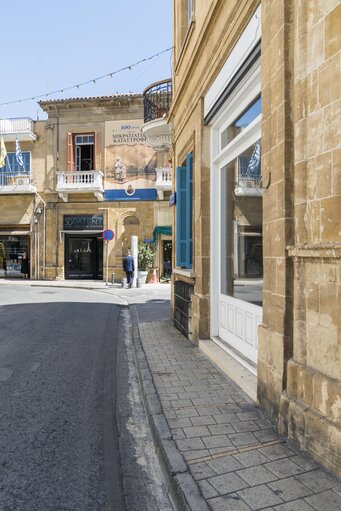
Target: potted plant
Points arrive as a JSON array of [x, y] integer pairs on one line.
[[145, 260]]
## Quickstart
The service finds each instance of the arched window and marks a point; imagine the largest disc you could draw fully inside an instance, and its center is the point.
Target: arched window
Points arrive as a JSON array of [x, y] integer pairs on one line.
[[131, 220]]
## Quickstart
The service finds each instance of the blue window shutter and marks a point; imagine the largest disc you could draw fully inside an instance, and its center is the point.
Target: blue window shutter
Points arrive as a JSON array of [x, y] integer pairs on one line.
[[181, 216], [189, 207]]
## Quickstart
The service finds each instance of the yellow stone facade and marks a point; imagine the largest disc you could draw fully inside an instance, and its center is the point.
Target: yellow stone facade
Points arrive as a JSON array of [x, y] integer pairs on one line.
[[49, 155], [299, 340]]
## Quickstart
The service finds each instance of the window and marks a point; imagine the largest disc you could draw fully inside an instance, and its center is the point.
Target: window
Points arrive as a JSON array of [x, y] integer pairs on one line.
[[242, 122], [81, 152], [12, 165], [184, 214]]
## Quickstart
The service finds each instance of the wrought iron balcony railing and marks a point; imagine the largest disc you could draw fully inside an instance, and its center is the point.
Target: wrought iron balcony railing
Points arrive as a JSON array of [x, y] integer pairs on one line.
[[157, 99]]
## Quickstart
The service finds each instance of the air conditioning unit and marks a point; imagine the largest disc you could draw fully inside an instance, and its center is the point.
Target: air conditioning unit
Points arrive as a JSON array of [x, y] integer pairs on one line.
[[20, 180]]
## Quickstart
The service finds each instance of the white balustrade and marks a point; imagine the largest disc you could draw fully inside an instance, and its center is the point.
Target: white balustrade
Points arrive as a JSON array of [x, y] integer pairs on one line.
[[164, 178]]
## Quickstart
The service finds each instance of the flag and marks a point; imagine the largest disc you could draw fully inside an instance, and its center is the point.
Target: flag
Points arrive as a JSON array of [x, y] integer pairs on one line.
[[18, 153], [3, 152], [253, 168]]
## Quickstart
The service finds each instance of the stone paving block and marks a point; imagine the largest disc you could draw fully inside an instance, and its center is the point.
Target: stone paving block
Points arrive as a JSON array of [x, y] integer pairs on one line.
[[250, 458], [264, 424], [190, 444], [203, 420], [196, 454], [256, 475], [202, 401], [187, 395], [191, 496], [186, 412], [212, 410], [222, 450], [305, 462], [284, 468], [207, 490], [242, 439], [178, 434], [227, 483], [224, 465], [216, 441], [289, 489], [231, 502], [245, 426], [221, 429], [170, 414], [277, 451], [296, 505], [196, 431], [259, 497], [201, 470], [318, 480], [248, 416], [231, 408], [266, 435], [225, 418], [326, 501], [179, 423], [180, 403]]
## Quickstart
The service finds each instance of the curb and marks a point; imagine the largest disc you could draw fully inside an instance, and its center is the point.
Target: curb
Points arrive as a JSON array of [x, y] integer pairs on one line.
[[184, 491]]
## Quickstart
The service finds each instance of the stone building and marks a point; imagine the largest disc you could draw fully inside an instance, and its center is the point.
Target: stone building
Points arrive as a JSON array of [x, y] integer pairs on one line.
[[256, 152], [87, 168]]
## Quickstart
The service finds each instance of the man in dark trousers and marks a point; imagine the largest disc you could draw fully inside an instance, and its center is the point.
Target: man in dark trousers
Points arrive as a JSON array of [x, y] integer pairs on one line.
[[129, 268]]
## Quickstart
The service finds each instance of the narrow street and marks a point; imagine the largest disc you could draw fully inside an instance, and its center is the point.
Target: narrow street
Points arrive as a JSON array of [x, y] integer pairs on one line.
[[73, 434]]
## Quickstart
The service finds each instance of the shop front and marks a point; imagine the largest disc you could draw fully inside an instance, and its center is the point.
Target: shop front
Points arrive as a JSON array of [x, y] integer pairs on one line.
[[83, 244], [14, 247], [233, 112]]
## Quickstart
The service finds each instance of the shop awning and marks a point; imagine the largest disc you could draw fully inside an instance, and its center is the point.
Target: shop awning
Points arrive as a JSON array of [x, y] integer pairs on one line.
[[162, 229]]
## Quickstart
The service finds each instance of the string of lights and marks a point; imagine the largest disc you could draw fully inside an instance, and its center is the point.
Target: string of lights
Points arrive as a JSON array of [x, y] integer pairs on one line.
[[93, 80]]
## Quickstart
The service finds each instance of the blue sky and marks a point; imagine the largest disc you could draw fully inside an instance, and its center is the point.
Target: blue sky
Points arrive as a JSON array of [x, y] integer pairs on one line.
[[49, 45]]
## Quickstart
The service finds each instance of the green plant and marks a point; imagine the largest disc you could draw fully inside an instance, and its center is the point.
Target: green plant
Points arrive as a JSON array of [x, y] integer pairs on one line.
[[145, 256]]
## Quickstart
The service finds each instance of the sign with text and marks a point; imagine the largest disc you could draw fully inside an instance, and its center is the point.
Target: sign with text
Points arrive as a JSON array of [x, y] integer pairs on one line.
[[83, 222]]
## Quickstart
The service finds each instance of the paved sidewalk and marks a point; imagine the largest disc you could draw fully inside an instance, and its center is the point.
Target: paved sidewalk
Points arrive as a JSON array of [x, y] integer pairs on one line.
[[217, 450]]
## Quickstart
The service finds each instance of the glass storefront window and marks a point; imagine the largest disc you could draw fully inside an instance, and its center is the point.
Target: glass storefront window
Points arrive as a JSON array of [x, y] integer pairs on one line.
[[12, 249], [243, 120], [241, 231]]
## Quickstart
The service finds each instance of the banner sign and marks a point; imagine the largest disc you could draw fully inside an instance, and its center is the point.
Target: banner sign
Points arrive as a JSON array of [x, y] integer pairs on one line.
[[83, 222]]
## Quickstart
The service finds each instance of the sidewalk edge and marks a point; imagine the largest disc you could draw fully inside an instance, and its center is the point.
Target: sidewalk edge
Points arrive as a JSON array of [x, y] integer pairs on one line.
[[183, 489]]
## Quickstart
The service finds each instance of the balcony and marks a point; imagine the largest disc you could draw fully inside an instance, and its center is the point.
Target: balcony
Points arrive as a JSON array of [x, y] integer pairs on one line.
[[248, 186], [80, 182], [157, 99], [21, 127], [16, 182], [163, 181]]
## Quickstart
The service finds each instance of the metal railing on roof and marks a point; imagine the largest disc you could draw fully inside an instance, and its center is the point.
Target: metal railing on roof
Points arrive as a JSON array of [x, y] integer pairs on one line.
[[157, 99]]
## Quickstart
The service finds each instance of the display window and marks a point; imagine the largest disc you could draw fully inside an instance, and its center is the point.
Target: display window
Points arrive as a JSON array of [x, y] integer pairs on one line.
[[14, 256]]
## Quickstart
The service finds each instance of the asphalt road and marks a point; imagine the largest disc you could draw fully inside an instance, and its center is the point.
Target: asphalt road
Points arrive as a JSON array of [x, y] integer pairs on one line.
[[73, 435]]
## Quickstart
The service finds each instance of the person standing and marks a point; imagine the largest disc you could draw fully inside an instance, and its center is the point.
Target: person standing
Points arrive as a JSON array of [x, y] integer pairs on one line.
[[25, 265], [129, 268]]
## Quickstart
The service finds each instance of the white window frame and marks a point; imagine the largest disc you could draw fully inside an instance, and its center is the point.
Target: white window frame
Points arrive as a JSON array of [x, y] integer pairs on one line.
[[244, 94]]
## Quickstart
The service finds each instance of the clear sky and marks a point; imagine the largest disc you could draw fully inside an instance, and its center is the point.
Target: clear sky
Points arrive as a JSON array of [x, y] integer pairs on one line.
[[49, 45]]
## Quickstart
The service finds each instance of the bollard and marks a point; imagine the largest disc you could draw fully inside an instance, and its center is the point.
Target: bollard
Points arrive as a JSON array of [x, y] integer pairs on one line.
[[138, 282], [124, 282], [113, 278]]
